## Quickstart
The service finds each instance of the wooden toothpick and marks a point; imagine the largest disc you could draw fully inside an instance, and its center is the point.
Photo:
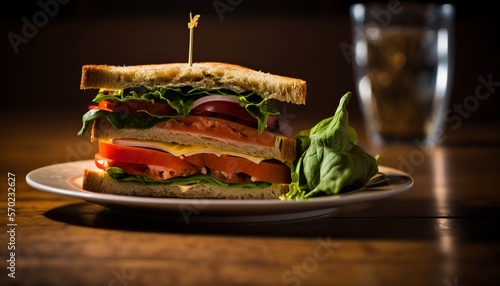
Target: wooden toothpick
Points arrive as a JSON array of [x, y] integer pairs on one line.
[[193, 23]]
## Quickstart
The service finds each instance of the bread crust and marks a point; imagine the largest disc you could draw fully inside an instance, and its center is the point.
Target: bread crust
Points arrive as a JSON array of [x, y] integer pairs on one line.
[[100, 182], [204, 75], [267, 145]]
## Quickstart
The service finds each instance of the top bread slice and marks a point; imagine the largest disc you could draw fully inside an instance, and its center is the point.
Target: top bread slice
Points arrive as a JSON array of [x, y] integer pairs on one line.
[[204, 75]]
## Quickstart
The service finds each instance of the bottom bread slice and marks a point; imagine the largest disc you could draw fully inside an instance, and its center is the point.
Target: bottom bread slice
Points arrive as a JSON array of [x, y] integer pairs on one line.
[[100, 182]]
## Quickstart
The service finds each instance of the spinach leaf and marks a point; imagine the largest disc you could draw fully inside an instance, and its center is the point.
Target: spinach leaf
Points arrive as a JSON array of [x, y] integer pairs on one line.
[[329, 159]]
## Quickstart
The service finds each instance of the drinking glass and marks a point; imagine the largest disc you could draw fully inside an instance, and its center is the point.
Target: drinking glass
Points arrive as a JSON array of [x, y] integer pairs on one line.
[[403, 69]]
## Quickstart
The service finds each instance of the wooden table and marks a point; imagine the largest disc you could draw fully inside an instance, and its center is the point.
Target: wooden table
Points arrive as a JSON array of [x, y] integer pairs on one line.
[[444, 231]]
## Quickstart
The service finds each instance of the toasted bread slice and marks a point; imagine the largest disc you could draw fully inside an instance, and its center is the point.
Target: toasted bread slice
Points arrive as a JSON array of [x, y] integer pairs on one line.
[[205, 75]]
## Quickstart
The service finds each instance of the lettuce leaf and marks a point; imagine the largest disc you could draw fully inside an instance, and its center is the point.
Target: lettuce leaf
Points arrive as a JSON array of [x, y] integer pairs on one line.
[[260, 110], [121, 176], [179, 98], [329, 160], [120, 120]]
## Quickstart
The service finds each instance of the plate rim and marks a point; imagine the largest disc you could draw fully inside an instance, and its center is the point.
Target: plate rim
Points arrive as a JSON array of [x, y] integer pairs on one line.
[[208, 205]]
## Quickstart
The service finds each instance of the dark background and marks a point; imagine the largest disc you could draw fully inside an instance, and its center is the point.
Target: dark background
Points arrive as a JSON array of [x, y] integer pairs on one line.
[[294, 38]]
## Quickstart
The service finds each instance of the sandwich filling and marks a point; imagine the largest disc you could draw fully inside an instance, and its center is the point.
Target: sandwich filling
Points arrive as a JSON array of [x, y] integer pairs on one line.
[[143, 108], [157, 162], [243, 116]]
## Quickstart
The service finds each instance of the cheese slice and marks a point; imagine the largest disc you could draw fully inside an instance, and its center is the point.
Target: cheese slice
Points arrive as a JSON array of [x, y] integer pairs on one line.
[[182, 150]]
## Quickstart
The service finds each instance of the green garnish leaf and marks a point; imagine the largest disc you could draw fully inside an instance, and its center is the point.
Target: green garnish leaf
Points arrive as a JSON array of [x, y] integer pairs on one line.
[[329, 159]]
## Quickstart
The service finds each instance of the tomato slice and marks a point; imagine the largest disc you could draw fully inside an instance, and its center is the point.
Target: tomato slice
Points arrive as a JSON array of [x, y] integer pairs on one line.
[[234, 112], [226, 110], [143, 156], [130, 168], [134, 160], [137, 106], [266, 171]]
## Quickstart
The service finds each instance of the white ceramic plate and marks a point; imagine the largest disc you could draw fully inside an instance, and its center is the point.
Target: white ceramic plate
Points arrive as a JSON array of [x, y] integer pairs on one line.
[[65, 179]]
